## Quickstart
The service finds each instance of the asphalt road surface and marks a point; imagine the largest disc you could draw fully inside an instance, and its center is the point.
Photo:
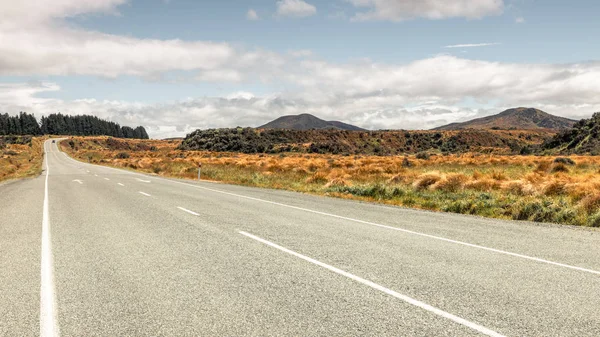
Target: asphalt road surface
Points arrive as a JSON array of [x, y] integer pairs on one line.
[[87, 250]]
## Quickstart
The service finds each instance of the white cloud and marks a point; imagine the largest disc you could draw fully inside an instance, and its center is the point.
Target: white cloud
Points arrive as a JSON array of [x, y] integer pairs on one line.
[[34, 43], [301, 53], [252, 15], [295, 8], [421, 94], [520, 20], [472, 45], [399, 10]]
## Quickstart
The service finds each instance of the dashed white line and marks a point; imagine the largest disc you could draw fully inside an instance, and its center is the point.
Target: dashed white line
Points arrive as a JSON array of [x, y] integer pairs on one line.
[[120, 184], [48, 315], [144, 181], [106, 179], [499, 251], [381, 288], [146, 194], [188, 211], [471, 245], [95, 175]]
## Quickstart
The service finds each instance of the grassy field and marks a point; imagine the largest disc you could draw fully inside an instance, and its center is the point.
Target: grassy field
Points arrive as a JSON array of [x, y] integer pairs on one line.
[[20, 160], [545, 189]]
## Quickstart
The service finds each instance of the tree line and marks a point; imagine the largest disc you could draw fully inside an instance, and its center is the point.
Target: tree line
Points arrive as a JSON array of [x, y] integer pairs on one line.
[[59, 124]]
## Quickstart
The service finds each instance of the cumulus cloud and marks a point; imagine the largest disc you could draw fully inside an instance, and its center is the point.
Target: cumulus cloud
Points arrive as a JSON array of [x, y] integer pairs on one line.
[[42, 44], [252, 15], [420, 94], [295, 8], [400, 10]]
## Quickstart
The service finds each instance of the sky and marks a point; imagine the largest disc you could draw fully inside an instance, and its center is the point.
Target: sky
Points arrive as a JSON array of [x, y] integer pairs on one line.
[[174, 66]]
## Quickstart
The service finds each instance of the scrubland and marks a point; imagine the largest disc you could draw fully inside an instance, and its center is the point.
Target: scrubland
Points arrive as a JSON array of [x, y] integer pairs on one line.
[[20, 157], [564, 190]]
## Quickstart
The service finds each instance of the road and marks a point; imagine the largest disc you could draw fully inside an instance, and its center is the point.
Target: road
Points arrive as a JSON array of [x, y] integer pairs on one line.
[[88, 250]]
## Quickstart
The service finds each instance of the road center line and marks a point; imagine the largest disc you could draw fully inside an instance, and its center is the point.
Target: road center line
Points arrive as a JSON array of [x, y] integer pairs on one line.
[[120, 184], [144, 181], [106, 179], [146, 194], [381, 288], [187, 210], [471, 245], [48, 314]]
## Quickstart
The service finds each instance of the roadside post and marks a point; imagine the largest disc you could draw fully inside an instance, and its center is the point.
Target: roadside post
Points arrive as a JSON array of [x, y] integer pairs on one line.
[[199, 169]]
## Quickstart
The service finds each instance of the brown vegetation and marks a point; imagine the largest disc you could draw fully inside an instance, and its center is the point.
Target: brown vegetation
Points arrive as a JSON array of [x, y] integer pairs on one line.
[[532, 188], [20, 157]]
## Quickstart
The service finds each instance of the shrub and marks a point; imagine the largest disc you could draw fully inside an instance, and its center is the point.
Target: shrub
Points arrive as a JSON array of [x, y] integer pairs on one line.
[[559, 167], [122, 155], [317, 178], [590, 204], [336, 182], [594, 220], [554, 187], [426, 180], [406, 162], [483, 185], [564, 160], [423, 155], [452, 183]]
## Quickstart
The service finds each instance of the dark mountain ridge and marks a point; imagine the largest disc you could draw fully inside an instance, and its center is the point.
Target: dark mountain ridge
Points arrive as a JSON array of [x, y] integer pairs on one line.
[[518, 118], [307, 122]]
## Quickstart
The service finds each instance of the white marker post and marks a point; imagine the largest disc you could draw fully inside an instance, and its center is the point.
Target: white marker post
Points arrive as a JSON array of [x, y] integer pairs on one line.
[[199, 169]]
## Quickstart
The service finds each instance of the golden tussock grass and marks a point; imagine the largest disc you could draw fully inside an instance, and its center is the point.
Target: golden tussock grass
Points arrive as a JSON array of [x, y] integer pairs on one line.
[[21, 161], [489, 185]]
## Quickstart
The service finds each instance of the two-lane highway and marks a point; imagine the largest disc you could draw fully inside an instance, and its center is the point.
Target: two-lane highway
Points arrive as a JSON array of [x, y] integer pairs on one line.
[[124, 254]]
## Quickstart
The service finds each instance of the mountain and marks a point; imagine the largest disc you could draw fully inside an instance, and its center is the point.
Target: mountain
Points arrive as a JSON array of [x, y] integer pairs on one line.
[[307, 122], [583, 138], [519, 118]]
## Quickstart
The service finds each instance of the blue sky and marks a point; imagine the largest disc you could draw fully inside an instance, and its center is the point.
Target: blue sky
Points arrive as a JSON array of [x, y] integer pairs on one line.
[[177, 65]]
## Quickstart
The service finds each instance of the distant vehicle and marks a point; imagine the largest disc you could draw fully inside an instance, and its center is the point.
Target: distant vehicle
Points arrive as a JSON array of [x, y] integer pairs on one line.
[[53, 141]]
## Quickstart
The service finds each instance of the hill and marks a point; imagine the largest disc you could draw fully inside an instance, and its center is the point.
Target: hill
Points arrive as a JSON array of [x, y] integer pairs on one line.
[[583, 138], [307, 122], [519, 118], [249, 140]]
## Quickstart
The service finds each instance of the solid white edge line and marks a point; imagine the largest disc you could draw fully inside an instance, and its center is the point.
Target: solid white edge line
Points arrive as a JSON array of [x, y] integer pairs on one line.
[[48, 315], [187, 210], [499, 251], [146, 194], [531, 258], [381, 288]]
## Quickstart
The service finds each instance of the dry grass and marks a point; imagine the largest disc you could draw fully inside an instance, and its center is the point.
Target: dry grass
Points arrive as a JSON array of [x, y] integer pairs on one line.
[[514, 187], [21, 161]]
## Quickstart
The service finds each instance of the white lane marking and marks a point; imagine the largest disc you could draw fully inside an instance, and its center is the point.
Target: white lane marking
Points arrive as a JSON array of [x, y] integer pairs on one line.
[[95, 175], [381, 288], [499, 251], [531, 258], [88, 171], [79, 181], [106, 179], [187, 210], [144, 181], [120, 184], [48, 315], [146, 194]]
